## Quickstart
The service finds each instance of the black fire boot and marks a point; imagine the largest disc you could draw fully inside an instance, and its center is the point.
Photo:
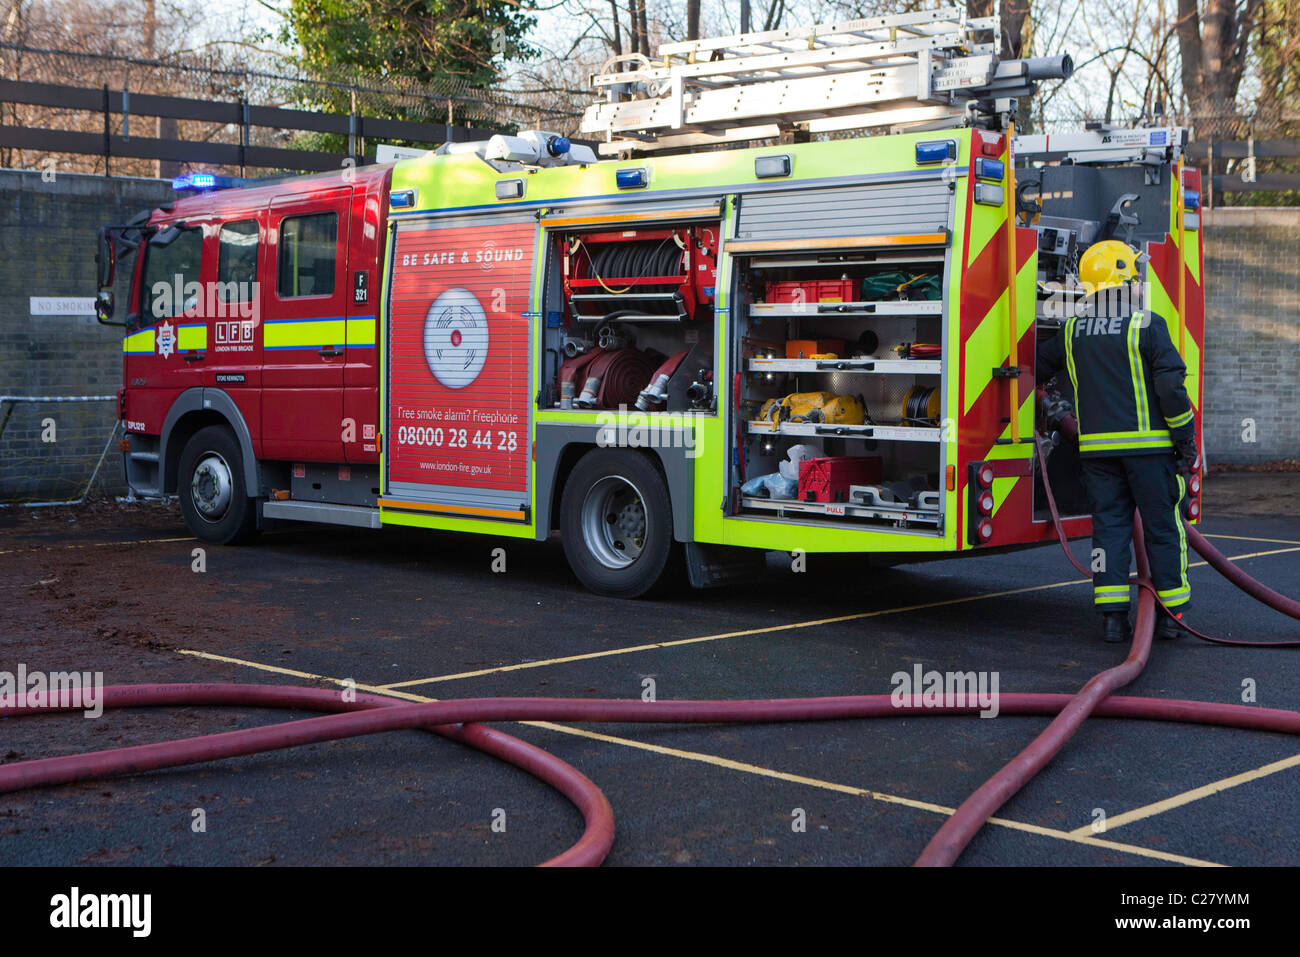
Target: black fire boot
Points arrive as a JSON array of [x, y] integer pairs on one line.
[[1168, 627], [1115, 627]]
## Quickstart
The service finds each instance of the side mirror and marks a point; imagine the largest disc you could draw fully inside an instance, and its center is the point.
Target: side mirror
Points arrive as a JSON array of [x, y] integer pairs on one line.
[[105, 259], [105, 307]]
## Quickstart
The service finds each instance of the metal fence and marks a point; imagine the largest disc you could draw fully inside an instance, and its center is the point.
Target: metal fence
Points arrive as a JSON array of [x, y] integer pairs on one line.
[[130, 113], [58, 449]]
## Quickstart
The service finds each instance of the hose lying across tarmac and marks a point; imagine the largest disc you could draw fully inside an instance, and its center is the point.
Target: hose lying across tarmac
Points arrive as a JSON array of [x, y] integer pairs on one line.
[[461, 720]]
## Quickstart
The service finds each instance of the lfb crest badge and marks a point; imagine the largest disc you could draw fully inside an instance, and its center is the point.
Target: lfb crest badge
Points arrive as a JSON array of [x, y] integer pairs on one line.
[[166, 339]]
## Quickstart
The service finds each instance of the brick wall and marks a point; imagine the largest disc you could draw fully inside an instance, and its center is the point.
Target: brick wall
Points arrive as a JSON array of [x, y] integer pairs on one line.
[[47, 232], [1252, 334]]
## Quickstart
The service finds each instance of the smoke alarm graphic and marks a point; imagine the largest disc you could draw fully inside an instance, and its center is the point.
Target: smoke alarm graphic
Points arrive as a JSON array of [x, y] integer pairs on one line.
[[456, 338]]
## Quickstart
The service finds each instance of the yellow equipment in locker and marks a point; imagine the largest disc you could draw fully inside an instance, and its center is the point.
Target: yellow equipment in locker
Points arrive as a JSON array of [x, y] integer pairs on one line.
[[815, 407]]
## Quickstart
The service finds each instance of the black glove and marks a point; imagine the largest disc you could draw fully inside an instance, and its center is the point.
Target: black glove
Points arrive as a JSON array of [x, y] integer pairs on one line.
[[1189, 456]]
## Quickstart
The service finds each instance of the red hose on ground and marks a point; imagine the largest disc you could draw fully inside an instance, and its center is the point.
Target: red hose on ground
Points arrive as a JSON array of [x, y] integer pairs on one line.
[[459, 720], [370, 714], [1256, 590], [589, 851], [1216, 559], [946, 845]]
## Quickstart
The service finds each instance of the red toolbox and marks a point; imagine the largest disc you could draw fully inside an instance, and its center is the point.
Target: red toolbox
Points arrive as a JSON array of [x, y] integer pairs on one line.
[[827, 479], [811, 290]]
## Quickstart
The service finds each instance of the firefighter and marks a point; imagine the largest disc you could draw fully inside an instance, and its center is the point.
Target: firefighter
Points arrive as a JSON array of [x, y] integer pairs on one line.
[[1137, 441]]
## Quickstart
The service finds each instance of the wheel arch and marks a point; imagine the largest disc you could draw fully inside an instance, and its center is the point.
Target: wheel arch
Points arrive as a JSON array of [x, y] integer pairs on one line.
[[196, 409], [560, 446]]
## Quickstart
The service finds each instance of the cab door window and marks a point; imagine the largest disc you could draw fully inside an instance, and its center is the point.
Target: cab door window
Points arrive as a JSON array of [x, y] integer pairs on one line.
[[237, 262], [171, 277], [308, 255]]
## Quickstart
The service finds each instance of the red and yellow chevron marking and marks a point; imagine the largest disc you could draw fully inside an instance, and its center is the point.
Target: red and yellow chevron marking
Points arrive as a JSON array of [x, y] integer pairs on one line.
[[982, 340], [1186, 329]]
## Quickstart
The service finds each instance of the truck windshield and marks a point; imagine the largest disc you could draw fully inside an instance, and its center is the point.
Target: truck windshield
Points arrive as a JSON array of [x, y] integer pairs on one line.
[[171, 277]]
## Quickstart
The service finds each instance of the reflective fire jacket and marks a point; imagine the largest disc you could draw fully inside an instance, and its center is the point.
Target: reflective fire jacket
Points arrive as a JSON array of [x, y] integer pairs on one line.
[[1128, 383]]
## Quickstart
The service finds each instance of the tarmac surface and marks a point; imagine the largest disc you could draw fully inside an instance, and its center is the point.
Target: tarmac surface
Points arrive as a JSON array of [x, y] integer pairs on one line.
[[114, 590]]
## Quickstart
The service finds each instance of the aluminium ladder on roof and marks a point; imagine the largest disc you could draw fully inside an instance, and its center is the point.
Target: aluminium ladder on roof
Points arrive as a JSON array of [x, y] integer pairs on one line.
[[917, 69]]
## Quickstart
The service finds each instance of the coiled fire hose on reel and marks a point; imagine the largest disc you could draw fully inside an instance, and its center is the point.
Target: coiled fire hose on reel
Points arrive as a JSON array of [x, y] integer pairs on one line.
[[462, 721]]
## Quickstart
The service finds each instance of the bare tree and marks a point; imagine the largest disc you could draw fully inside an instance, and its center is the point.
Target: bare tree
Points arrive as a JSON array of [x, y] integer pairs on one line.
[[1277, 103], [1214, 41], [1014, 16]]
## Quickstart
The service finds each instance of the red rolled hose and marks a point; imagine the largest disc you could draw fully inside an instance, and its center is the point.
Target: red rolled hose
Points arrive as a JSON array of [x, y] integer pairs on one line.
[[623, 374]]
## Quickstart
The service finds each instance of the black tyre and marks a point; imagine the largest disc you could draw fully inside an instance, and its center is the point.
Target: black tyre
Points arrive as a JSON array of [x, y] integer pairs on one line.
[[211, 487], [616, 523]]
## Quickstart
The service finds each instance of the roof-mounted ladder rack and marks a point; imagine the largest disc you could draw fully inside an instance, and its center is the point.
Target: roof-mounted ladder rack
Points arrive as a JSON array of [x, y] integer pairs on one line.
[[929, 70]]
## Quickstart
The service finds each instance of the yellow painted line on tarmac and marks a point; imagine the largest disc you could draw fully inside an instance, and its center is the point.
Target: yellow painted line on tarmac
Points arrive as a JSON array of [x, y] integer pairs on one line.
[[292, 673], [1239, 558], [542, 663], [769, 629], [1247, 538], [140, 541], [753, 769], [1196, 794]]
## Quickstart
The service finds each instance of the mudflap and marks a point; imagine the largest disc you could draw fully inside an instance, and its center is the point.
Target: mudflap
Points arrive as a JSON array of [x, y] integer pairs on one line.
[[710, 566]]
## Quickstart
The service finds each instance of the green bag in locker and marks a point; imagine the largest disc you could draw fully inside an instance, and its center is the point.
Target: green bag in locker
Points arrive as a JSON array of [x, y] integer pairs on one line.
[[888, 286]]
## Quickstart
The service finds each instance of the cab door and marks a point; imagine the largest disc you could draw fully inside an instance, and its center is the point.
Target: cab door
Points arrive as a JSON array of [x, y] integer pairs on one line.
[[361, 371], [304, 327]]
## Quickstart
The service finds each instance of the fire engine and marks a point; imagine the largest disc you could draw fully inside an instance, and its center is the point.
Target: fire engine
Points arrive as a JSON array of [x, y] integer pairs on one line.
[[693, 349]]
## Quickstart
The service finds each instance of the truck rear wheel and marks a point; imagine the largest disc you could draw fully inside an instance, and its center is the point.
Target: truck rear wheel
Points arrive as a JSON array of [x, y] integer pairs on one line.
[[616, 523], [210, 484]]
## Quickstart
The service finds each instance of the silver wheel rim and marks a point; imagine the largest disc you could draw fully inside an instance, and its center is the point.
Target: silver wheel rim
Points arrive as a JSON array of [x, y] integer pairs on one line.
[[211, 487], [614, 522]]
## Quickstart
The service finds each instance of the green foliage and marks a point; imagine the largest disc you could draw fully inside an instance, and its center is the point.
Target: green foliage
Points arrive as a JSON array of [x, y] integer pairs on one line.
[[402, 59], [427, 40]]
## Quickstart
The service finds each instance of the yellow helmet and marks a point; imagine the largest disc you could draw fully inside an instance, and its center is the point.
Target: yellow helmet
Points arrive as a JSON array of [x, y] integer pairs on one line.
[[1107, 263]]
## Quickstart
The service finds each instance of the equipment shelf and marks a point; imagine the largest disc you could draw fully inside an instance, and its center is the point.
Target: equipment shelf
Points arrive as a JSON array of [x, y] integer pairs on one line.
[[894, 307], [883, 433], [874, 259], [878, 366], [794, 507]]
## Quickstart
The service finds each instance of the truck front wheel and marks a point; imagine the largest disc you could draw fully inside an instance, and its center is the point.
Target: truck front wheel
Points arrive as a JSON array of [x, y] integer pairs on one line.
[[210, 484], [616, 523]]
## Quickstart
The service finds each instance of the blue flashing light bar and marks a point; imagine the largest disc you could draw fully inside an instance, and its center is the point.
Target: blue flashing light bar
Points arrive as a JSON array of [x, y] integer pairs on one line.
[[634, 178], [936, 151], [990, 169], [205, 181]]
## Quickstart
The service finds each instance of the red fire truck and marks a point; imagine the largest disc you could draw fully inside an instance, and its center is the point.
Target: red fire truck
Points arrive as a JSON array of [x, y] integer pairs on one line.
[[822, 345]]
